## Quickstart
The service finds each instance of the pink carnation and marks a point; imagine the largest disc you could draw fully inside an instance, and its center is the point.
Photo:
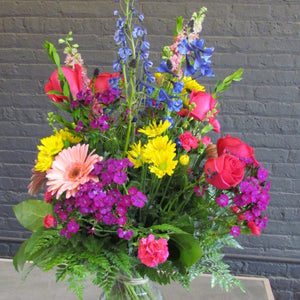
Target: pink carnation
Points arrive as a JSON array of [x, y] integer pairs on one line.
[[188, 141], [206, 140], [152, 252]]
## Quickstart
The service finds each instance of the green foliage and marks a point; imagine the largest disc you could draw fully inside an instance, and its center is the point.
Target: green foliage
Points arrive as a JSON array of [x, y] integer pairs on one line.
[[31, 213], [179, 25], [226, 83]]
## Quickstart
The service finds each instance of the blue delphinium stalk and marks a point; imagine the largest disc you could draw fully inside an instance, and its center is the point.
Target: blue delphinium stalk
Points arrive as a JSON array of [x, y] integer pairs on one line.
[[133, 60]]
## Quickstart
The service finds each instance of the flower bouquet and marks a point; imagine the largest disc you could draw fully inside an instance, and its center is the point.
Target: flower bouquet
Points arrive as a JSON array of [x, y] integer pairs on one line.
[[134, 185]]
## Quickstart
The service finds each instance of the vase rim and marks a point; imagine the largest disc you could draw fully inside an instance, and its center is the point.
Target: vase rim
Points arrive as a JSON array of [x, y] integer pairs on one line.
[[133, 280]]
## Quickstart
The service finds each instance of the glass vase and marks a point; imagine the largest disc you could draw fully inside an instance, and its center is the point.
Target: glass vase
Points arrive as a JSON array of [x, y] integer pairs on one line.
[[128, 288]]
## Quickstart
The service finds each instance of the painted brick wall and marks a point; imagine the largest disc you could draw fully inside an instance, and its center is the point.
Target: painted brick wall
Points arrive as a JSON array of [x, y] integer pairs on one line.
[[261, 36]]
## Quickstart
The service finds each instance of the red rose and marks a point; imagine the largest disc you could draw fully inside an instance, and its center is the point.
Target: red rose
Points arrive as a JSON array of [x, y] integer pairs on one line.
[[74, 78], [49, 221], [236, 147], [224, 171], [102, 81], [205, 104], [152, 252], [188, 141]]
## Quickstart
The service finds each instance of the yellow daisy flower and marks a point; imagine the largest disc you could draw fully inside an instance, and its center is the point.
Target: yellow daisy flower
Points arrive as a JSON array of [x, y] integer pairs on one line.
[[49, 147], [154, 130], [159, 153], [68, 136], [44, 161], [190, 85], [135, 155]]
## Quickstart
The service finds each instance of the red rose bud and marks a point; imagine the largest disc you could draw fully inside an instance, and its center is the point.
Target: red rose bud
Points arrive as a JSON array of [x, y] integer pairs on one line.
[[235, 147], [74, 78], [102, 81], [204, 108], [234, 209], [48, 196], [49, 221], [241, 217], [255, 230], [224, 171], [215, 124]]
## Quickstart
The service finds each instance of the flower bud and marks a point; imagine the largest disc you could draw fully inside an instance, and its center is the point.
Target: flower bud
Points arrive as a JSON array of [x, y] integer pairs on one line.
[[211, 151], [184, 160]]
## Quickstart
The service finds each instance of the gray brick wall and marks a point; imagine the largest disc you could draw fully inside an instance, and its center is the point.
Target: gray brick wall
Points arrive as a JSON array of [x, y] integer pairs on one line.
[[261, 36]]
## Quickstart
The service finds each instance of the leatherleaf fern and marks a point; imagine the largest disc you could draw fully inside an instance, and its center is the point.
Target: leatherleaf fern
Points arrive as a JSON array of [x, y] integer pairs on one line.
[[76, 260]]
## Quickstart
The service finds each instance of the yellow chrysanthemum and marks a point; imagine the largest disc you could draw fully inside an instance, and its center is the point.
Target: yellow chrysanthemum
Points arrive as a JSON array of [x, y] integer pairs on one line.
[[154, 130], [190, 85], [135, 155], [159, 153], [68, 136], [49, 147], [44, 161]]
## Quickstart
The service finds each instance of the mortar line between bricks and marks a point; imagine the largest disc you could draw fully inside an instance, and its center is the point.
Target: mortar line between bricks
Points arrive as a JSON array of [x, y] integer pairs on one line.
[[270, 259]]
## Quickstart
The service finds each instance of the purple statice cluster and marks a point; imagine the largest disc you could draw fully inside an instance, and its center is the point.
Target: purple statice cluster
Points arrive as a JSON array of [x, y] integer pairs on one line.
[[101, 201], [254, 197]]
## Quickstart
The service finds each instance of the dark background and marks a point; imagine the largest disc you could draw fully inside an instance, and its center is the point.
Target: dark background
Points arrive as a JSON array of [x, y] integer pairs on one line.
[[261, 36]]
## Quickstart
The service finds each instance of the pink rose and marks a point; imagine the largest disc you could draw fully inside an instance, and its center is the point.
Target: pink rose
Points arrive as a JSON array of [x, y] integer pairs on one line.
[[236, 147], [74, 78], [49, 221], [188, 141], [224, 171], [205, 104], [102, 81], [152, 252]]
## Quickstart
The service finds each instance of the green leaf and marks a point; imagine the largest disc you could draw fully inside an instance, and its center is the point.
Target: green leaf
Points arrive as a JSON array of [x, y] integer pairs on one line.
[[31, 213], [185, 223], [19, 259], [225, 84], [207, 128], [56, 58], [189, 249], [179, 25], [63, 106], [167, 228], [55, 92]]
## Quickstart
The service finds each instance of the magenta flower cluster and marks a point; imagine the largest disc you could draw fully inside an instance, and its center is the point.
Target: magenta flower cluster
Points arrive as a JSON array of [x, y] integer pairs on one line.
[[254, 197], [101, 201], [98, 119]]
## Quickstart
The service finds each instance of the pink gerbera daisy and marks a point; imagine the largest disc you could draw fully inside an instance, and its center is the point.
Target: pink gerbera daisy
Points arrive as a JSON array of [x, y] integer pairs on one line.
[[70, 169]]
